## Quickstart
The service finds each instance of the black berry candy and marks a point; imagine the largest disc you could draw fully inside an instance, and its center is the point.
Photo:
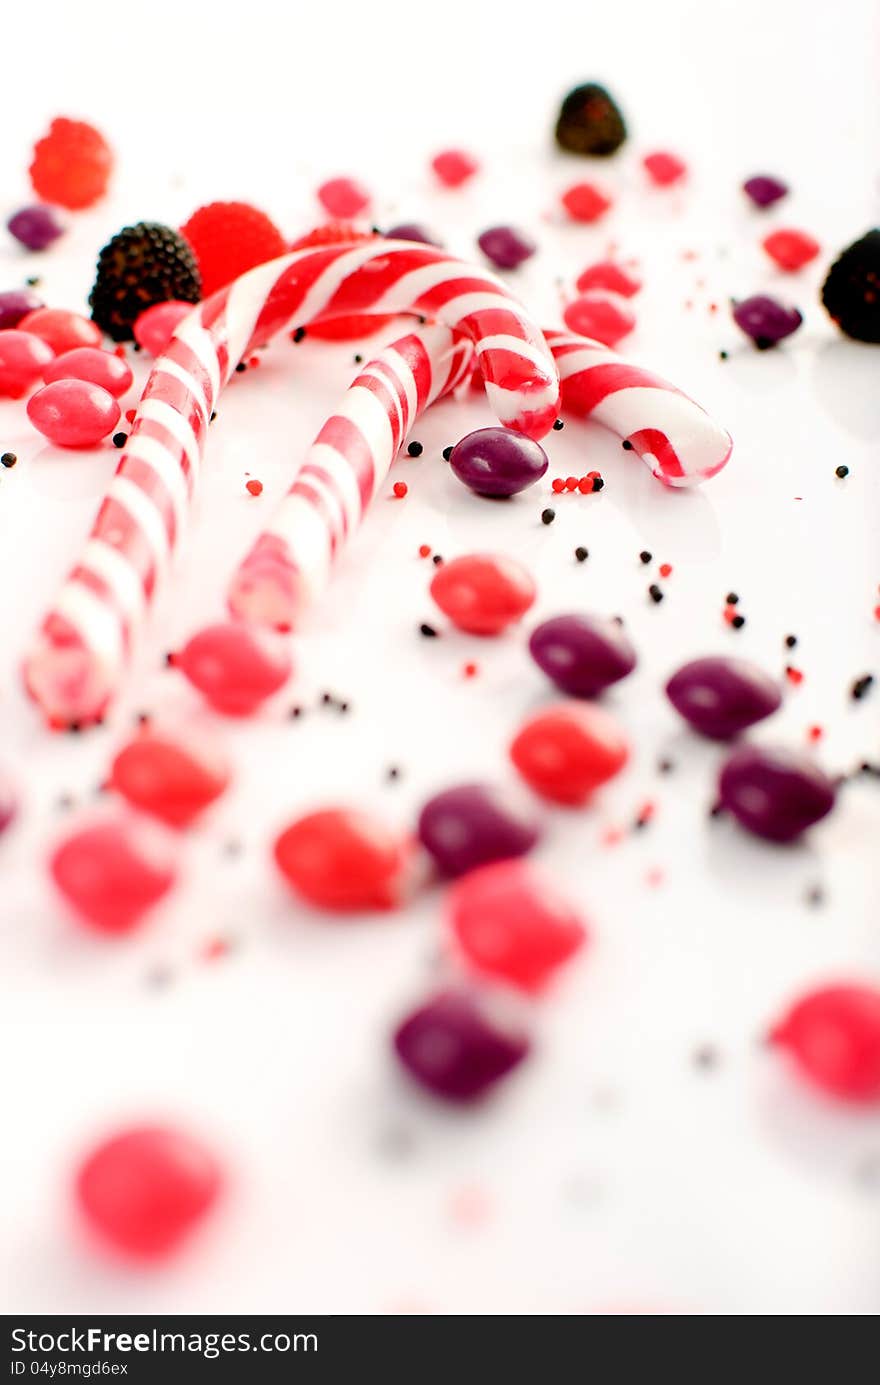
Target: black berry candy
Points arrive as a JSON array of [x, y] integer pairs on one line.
[[141, 265], [851, 292], [590, 122]]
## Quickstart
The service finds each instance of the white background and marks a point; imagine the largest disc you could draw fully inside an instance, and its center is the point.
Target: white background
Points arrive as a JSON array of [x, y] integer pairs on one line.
[[611, 1174]]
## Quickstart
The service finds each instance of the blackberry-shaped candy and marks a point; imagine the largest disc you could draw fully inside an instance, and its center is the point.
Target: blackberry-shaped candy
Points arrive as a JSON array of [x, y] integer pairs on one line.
[[851, 292], [141, 265], [590, 122]]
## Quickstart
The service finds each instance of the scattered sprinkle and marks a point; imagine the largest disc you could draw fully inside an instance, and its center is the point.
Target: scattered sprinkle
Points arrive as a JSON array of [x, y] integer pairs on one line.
[[655, 593], [254, 487], [841, 471], [400, 489], [415, 449], [582, 554], [548, 516]]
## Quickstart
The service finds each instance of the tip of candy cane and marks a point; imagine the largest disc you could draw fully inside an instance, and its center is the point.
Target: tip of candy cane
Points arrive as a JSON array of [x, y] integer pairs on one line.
[[68, 683], [267, 591]]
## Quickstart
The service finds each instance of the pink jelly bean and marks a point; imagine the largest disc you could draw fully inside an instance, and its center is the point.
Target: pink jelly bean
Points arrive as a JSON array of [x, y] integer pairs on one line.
[[343, 197], [154, 329], [63, 330], [73, 413], [608, 275], [604, 317], [97, 367], [233, 667], [23, 359]]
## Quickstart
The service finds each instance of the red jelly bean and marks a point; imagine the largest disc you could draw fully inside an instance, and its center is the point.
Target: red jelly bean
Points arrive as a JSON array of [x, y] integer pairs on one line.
[[112, 872], [483, 593], [602, 316], [585, 202], [73, 413], [172, 781], [567, 751], [23, 360], [63, 330], [454, 167], [234, 668], [791, 249], [833, 1035], [664, 168], [145, 1190], [154, 329], [343, 197], [341, 859], [511, 924], [607, 275], [104, 368]]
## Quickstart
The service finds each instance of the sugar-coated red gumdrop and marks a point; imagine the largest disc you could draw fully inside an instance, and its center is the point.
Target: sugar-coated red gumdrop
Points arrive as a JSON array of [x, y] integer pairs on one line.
[[154, 329], [567, 751], [71, 165], [343, 197], [354, 325], [23, 360], [454, 167], [235, 668], [228, 238], [145, 1190], [171, 780], [603, 316], [113, 871], [833, 1035], [73, 413], [791, 249], [483, 593], [585, 202], [511, 924], [607, 275], [664, 168], [98, 367], [62, 329], [341, 859]]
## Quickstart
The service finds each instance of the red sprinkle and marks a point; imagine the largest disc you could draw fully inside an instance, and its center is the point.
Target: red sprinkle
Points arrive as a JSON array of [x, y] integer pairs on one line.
[[571, 483], [130, 415], [470, 670], [558, 486], [815, 733], [665, 569], [255, 487], [585, 485], [794, 675], [424, 550], [400, 489]]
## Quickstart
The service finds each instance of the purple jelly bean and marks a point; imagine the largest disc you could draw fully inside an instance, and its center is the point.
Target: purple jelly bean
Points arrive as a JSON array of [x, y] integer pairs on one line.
[[764, 190], [471, 825], [411, 230], [452, 1046], [506, 247], [16, 304], [498, 462], [8, 802], [721, 697], [36, 227], [766, 320], [582, 654], [774, 793]]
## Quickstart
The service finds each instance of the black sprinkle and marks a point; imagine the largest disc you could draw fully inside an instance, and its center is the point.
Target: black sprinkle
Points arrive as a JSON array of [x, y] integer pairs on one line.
[[358, 360], [815, 896], [645, 556], [582, 554], [299, 335], [627, 445], [295, 712], [861, 686], [665, 766], [428, 631], [120, 439], [548, 516], [240, 368], [732, 599], [232, 847], [74, 728], [655, 593], [32, 281], [327, 698], [722, 355], [598, 483], [392, 772], [841, 471], [717, 810], [8, 459], [790, 641], [213, 416], [558, 425], [738, 622], [447, 453], [617, 620], [65, 802], [706, 1057], [437, 559], [344, 707], [415, 449]]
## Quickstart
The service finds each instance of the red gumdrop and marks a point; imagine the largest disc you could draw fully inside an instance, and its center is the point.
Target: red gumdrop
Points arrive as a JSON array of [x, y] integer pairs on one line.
[[62, 329], [511, 924], [454, 167], [585, 202], [341, 859], [352, 326], [607, 275], [233, 667], [483, 593], [664, 168], [144, 1190], [112, 872], [602, 316], [567, 751], [154, 329], [71, 165], [73, 413], [833, 1035], [172, 781], [104, 368], [23, 361], [790, 249], [343, 197]]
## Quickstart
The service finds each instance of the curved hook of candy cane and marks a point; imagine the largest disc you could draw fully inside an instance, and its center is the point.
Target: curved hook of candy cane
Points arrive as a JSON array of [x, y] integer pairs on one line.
[[290, 562], [672, 434], [78, 659]]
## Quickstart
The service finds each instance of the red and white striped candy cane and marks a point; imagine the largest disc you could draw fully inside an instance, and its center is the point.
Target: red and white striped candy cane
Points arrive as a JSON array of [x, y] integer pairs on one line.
[[85, 642], [290, 562], [677, 439]]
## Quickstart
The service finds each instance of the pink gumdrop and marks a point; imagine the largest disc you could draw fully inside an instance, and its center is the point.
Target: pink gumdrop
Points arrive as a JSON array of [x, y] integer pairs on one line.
[[73, 413], [233, 667], [111, 872], [23, 360], [608, 275], [93, 365], [62, 329], [454, 167], [602, 316], [343, 197], [664, 168], [154, 329]]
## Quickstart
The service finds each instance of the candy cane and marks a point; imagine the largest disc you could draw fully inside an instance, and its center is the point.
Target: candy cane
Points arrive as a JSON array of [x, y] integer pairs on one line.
[[290, 562], [86, 640], [675, 437]]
